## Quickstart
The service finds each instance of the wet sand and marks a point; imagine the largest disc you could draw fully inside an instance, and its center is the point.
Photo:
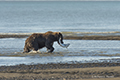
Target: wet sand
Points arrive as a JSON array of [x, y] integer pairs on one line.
[[92, 37], [74, 71], [13, 36]]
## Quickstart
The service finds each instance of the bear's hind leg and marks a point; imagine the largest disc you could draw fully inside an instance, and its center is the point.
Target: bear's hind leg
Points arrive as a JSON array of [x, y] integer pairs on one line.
[[26, 50]]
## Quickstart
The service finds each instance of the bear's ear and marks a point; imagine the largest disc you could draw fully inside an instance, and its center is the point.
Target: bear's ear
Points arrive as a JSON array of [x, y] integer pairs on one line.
[[57, 34], [60, 33]]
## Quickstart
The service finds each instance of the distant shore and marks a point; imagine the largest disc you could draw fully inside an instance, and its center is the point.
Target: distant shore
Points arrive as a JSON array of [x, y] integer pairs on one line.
[[93, 37]]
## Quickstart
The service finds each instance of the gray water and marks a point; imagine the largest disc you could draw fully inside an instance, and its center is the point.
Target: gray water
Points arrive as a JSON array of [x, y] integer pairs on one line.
[[79, 51], [82, 18], [71, 16]]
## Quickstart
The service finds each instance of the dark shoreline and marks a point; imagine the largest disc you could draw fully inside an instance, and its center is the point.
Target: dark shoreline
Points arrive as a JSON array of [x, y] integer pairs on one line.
[[56, 66], [92, 37], [60, 71], [96, 37], [13, 36]]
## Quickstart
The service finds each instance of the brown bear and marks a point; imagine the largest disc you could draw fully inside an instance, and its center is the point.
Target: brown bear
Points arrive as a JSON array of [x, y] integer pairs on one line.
[[39, 40]]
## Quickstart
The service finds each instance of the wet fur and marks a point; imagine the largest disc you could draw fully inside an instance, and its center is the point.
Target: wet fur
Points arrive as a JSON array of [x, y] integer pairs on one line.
[[39, 40]]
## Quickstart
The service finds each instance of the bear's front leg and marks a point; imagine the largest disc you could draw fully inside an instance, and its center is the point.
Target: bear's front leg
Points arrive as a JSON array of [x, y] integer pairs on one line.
[[49, 47], [50, 50]]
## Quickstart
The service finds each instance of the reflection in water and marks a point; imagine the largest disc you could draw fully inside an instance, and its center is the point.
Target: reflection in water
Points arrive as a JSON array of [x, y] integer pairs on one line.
[[79, 50], [58, 59]]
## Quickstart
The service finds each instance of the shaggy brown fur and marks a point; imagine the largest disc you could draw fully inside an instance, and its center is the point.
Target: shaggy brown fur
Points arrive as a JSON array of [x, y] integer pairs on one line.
[[39, 40]]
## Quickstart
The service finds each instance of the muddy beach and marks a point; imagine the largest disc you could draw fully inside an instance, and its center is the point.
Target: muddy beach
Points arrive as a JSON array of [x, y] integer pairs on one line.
[[60, 71], [68, 37]]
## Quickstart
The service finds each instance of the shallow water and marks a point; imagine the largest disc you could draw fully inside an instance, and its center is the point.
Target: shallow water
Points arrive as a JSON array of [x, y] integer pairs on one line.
[[79, 50], [7, 61], [76, 18]]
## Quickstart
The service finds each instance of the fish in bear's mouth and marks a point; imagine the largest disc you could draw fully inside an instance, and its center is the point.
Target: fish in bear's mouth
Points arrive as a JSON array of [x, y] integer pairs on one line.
[[63, 45]]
